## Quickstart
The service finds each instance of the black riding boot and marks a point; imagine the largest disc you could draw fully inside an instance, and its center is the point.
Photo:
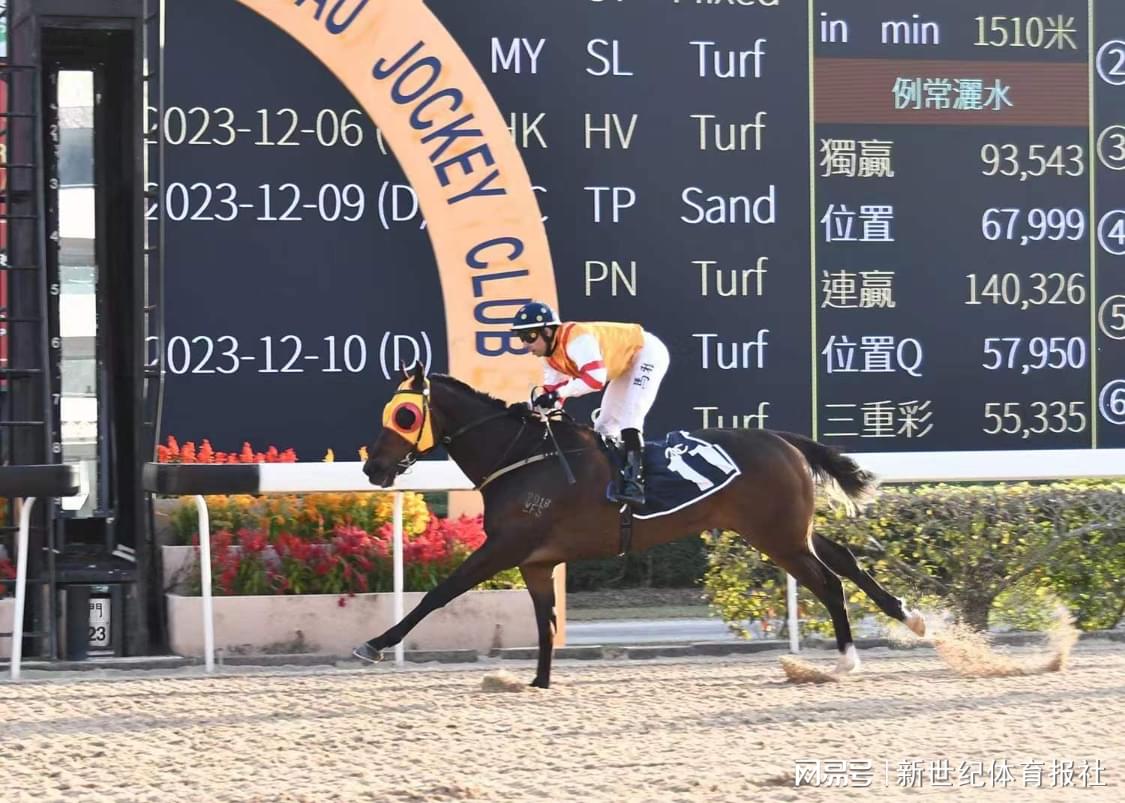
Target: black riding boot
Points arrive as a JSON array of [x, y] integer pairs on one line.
[[632, 476]]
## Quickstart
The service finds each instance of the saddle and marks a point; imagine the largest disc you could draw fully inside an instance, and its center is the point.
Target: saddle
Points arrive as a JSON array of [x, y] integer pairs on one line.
[[680, 470]]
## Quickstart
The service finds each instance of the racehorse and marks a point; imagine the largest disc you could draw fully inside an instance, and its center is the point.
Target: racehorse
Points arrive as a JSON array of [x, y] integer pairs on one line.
[[538, 514]]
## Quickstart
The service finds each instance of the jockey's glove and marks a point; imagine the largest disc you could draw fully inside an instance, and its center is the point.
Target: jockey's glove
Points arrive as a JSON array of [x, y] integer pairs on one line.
[[547, 401]]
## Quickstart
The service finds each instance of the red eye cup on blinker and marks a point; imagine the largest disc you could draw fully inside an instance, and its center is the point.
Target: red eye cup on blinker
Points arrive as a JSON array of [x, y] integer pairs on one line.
[[407, 417]]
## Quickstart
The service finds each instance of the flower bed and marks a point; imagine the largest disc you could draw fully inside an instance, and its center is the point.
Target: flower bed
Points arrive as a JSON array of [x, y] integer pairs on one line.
[[172, 452], [317, 543], [345, 560], [313, 572]]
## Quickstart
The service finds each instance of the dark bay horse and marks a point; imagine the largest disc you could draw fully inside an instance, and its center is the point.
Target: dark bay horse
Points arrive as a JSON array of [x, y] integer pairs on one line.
[[535, 518]]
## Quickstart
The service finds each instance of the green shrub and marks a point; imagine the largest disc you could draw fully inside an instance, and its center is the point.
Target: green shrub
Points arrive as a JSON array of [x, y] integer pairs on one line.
[[679, 564], [1008, 549]]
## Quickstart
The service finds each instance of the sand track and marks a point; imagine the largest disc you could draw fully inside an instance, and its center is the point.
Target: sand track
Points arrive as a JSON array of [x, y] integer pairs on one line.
[[691, 730]]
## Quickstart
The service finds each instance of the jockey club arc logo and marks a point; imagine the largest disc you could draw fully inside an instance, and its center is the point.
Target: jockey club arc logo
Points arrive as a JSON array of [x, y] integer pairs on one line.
[[433, 109]]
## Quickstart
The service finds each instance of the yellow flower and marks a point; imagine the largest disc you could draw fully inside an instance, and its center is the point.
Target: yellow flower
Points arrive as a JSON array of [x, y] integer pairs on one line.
[[415, 514]]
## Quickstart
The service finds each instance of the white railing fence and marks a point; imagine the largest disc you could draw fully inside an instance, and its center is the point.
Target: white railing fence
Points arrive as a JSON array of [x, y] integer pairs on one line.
[[298, 478], [26, 484], [295, 478]]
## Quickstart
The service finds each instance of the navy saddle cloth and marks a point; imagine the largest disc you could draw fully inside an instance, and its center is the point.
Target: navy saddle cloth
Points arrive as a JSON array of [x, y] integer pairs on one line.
[[679, 472]]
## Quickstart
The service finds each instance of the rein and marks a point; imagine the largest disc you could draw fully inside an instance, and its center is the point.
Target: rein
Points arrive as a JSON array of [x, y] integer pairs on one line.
[[536, 459], [496, 472]]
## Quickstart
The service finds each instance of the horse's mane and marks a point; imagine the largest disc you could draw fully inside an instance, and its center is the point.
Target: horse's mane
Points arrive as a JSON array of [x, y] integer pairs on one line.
[[517, 410]]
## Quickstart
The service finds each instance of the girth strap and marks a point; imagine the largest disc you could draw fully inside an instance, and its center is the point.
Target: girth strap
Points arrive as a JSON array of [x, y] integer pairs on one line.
[[626, 529]]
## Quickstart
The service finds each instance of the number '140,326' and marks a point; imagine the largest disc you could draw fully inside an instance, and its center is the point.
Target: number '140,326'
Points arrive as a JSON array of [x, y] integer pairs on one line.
[[1036, 289]]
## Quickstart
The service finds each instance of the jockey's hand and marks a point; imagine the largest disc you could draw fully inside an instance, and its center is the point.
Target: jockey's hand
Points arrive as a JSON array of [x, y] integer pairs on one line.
[[546, 401]]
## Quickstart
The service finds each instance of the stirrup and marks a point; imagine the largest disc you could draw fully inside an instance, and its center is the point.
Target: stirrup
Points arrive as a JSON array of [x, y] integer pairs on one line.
[[631, 492], [629, 481]]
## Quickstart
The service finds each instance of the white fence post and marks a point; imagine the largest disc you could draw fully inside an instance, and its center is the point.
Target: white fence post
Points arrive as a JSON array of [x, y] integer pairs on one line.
[[400, 656], [794, 620], [21, 584], [205, 580]]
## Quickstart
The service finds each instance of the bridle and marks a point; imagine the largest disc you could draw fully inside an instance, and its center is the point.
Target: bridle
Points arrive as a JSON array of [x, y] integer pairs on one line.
[[498, 469], [414, 453]]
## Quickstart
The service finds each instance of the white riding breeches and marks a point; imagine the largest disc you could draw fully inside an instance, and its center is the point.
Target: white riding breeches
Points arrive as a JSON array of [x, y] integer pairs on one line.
[[629, 397]]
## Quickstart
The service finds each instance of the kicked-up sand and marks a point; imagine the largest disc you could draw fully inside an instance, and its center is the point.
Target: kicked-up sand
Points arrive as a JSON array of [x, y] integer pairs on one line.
[[700, 729]]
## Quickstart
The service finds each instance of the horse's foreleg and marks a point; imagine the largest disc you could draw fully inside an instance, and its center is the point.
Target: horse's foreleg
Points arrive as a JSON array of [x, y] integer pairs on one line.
[[487, 561], [541, 586]]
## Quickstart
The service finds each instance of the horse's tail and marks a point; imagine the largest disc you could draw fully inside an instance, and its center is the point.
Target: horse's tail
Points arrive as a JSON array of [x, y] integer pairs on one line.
[[841, 476]]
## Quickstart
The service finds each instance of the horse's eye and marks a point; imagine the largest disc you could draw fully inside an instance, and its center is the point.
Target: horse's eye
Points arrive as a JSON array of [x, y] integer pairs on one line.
[[406, 417]]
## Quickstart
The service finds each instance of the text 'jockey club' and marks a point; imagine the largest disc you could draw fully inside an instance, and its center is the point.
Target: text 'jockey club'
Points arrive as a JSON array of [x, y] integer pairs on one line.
[[463, 163]]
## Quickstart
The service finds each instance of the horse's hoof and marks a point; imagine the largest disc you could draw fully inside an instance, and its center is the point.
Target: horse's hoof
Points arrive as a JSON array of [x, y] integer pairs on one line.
[[540, 684], [368, 654], [916, 622], [847, 662]]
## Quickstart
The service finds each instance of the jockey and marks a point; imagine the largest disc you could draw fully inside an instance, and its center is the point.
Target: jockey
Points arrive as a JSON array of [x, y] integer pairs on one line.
[[621, 358]]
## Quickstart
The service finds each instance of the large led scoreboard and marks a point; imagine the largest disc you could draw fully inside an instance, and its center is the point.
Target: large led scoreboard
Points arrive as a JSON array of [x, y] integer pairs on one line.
[[897, 227]]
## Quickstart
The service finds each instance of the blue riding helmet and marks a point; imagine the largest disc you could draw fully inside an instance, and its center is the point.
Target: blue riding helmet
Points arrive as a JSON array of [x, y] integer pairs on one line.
[[534, 315]]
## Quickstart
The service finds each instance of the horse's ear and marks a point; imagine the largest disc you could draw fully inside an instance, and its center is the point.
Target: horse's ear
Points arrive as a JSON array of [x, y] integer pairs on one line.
[[418, 374]]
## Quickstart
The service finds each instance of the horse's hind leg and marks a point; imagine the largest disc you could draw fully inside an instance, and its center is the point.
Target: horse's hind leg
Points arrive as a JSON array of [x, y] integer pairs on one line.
[[541, 586], [808, 570], [841, 560]]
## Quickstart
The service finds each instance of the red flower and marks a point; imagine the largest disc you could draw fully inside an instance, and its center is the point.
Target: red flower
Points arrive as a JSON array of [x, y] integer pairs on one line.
[[468, 532], [174, 453], [7, 572], [220, 542], [253, 540], [229, 575], [336, 556], [290, 546], [324, 563]]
